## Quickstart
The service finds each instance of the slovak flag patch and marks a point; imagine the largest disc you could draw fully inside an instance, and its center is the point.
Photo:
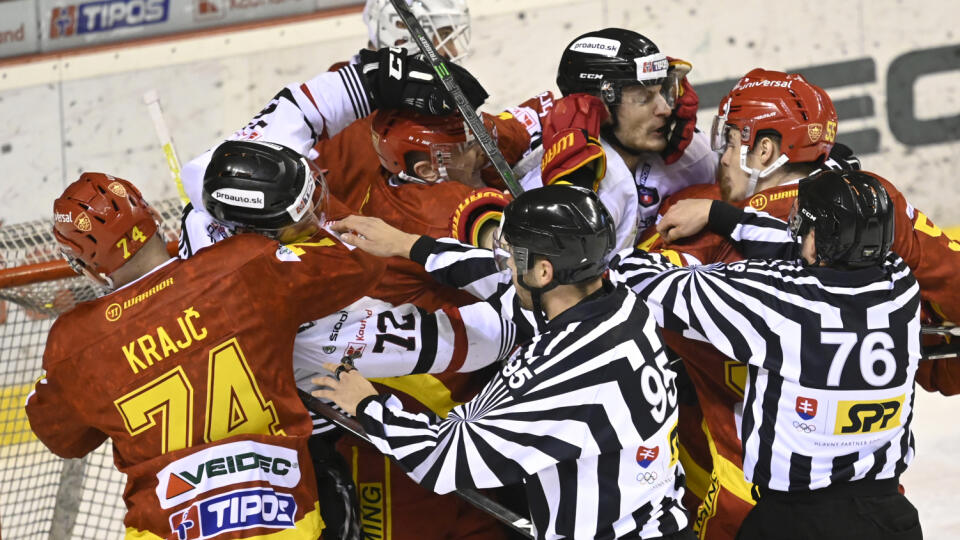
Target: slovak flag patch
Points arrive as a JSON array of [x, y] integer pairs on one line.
[[806, 407], [646, 456]]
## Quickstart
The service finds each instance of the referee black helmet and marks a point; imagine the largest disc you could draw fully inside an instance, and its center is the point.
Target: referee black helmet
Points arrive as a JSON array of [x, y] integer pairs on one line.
[[567, 225], [852, 215]]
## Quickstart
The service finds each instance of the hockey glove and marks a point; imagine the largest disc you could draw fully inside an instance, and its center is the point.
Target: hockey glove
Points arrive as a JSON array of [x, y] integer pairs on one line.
[[337, 493], [571, 146], [683, 121], [482, 209], [394, 79]]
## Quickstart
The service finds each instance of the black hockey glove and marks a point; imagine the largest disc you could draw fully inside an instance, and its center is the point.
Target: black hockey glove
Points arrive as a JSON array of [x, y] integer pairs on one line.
[[841, 158], [394, 79], [337, 493]]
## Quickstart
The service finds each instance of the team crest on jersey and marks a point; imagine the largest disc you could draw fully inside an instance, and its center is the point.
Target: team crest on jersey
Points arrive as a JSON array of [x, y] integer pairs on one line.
[[646, 456], [354, 350], [234, 511], [647, 196], [806, 407]]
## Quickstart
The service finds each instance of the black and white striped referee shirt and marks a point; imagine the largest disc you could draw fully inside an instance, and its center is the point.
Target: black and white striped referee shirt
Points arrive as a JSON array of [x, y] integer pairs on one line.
[[584, 414], [831, 353]]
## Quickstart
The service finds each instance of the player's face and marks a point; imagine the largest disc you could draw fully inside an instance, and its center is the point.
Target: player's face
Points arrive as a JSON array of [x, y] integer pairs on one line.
[[731, 178], [642, 119]]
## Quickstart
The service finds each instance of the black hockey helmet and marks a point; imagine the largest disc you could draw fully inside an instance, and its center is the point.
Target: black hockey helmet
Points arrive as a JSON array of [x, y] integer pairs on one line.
[[259, 185], [568, 225], [852, 215], [603, 62]]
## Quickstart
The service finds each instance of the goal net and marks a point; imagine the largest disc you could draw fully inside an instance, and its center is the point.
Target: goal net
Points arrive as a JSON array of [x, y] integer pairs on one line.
[[41, 495]]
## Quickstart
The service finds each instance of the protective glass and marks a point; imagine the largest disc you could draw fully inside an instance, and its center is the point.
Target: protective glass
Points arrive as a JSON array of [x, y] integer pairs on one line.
[[458, 161], [669, 91], [503, 252], [719, 133]]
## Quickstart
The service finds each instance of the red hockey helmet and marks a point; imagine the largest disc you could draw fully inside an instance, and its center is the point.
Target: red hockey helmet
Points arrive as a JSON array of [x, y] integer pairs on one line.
[[397, 133], [800, 112], [100, 221]]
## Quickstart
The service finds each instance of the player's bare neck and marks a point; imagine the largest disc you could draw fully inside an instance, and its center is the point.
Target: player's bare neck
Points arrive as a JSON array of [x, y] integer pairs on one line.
[[152, 255]]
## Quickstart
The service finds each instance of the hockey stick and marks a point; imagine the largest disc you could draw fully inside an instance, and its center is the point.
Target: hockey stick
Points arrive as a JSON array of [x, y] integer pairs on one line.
[[941, 330], [469, 113], [152, 101], [516, 522]]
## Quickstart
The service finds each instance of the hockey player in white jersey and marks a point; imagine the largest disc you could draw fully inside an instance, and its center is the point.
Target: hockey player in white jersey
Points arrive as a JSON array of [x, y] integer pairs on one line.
[[650, 143]]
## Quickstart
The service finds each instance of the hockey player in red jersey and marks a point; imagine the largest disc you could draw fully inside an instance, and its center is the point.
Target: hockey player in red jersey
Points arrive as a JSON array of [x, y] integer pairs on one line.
[[180, 364], [773, 129]]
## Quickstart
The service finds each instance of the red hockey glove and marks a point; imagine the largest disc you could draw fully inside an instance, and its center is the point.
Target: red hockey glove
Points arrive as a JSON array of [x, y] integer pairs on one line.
[[683, 120], [484, 207], [571, 144]]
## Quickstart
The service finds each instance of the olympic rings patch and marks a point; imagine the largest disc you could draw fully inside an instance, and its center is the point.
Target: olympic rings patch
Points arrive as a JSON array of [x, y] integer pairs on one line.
[[806, 428], [647, 476]]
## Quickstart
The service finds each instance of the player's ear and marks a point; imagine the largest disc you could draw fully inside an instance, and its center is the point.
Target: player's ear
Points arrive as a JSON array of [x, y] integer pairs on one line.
[[424, 169], [542, 272]]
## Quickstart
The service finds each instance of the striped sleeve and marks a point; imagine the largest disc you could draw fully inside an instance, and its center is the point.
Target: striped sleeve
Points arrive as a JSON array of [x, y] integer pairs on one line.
[[709, 303], [459, 265], [756, 235], [474, 270]]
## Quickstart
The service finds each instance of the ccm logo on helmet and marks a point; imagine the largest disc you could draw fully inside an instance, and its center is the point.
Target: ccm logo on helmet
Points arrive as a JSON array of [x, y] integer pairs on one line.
[[239, 197]]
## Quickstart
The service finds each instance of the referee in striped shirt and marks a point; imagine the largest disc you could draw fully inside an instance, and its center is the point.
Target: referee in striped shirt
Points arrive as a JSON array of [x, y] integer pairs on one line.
[[832, 343], [584, 414]]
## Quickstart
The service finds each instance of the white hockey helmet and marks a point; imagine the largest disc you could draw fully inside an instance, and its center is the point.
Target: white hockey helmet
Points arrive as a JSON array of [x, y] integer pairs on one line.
[[446, 21]]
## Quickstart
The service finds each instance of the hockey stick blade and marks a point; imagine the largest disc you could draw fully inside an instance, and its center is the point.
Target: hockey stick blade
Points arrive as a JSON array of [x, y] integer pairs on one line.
[[513, 520], [450, 84]]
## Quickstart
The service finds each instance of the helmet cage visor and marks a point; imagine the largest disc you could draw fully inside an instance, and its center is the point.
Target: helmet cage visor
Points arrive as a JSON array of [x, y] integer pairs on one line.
[[445, 157], [448, 29]]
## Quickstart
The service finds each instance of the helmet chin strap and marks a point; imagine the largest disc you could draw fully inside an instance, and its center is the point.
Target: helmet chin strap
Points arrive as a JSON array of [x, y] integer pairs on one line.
[[402, 175], [535, 296], [757, 174]]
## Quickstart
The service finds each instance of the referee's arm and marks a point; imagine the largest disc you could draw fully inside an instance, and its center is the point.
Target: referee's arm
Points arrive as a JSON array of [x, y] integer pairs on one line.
[[755, 234], [495, 439]]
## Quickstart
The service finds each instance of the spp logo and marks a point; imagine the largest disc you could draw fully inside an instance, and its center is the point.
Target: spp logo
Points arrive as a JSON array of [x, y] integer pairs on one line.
[[234, 511], [868, 416], [646, 456], [92, 17], [806, 407]]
